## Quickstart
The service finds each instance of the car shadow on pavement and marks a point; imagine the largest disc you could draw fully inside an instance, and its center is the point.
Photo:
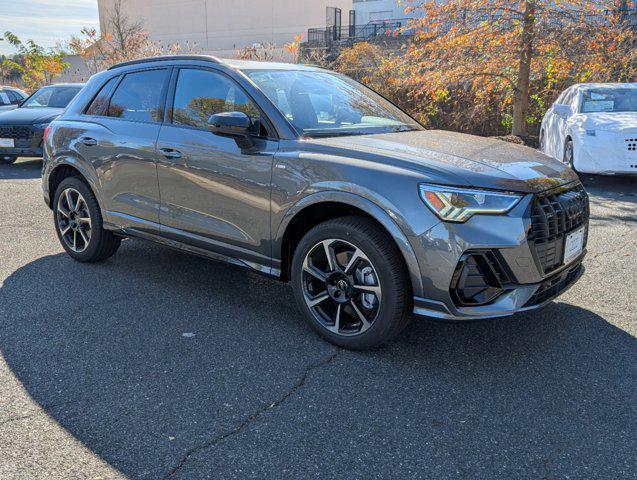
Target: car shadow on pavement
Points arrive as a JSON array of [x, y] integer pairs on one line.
[[23, 169], [164, 364]]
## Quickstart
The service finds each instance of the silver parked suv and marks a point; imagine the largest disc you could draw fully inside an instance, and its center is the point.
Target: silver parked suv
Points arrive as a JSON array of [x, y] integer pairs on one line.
[[305, 175]]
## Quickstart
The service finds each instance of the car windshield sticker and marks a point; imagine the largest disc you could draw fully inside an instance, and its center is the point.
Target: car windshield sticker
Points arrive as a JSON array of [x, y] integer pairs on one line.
[[599, 106]]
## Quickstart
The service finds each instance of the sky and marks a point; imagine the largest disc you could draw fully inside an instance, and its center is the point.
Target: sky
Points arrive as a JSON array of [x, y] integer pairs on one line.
[[45, 21]]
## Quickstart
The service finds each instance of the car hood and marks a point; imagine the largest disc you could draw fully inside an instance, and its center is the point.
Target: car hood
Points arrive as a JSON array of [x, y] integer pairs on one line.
[[28, 116], [607, 121], [459, 159]]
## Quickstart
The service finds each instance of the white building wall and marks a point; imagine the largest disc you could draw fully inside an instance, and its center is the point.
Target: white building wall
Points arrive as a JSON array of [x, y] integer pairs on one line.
[[222, 27]]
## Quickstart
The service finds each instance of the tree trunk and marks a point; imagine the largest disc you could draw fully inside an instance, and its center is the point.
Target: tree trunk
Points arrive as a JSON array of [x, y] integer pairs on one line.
[[522, 91]]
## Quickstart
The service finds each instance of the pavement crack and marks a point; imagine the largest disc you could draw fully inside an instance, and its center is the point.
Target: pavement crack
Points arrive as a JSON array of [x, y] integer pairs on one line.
[[44, 409], [17, 419], [255, 416]]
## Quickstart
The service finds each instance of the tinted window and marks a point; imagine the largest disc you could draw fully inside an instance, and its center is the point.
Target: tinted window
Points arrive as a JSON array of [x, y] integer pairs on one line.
[[202, 93], [100, 102], [14, 97], [55, 97], [138, 97]]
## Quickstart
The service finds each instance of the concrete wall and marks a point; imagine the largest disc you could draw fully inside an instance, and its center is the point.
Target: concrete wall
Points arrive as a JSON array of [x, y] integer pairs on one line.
[[222, 27], [377, 10]]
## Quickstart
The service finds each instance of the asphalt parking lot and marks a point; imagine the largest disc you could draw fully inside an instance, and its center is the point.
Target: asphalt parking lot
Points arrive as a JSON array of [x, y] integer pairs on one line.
[[160, 365]]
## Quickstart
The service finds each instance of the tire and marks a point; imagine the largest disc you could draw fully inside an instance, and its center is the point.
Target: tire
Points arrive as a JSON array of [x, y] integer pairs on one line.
[[569, 156], [8, 159], [84, 222], [371, 299]]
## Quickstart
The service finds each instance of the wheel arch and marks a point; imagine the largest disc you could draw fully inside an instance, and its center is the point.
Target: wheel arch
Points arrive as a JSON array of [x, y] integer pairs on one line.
[[324, 206], [70, 167]]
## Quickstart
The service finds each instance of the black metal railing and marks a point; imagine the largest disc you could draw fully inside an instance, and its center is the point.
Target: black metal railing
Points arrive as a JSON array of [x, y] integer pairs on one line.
[[321, 37], [329, 35]]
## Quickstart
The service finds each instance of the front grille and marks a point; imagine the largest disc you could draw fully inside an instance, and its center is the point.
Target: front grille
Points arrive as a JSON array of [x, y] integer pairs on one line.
[[553, 217], [23, 136], [555, 286], [16, 132]]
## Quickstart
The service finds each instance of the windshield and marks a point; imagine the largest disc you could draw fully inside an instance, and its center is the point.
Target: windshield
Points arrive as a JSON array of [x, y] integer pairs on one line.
[[609, 100], [325, 104], [55, 97]]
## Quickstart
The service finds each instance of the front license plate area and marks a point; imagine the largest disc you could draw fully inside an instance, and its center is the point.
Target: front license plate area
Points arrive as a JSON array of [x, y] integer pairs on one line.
[[574, 245], [7, 143]]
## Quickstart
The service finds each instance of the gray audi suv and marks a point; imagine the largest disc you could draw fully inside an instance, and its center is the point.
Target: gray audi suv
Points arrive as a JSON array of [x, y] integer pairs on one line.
[[308, 176]]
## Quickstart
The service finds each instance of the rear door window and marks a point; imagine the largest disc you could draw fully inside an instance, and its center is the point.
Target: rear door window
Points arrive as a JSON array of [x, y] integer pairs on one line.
[[138, 97]]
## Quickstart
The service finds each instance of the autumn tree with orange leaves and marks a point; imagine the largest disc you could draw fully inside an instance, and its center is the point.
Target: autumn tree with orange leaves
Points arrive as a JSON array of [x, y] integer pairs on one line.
[[511, 50]]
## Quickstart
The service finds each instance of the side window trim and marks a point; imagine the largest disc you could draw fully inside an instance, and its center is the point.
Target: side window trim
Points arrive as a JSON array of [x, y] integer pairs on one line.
[[170, 101], [162, 98]]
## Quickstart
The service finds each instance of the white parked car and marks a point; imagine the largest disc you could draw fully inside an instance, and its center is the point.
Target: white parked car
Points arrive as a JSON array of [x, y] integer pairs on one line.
[[10, 98], [593, 127]]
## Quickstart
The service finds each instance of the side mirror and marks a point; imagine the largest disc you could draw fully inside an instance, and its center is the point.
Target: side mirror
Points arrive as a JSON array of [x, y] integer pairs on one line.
[[230, 124], [562, 110]]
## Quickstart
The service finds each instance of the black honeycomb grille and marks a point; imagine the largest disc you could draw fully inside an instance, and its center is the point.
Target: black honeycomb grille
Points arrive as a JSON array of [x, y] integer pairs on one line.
[[553, 217]]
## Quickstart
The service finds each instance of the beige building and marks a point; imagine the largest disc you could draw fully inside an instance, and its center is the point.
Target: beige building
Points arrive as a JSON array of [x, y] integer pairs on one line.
[[222, 27]]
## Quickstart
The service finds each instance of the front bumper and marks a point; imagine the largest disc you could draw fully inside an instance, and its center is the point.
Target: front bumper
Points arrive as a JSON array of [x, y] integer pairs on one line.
[[528, 275], [519, 298], [27, 140]]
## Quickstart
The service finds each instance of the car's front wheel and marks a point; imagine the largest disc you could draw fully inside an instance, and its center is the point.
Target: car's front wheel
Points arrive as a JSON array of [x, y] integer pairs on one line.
[[8, 159], [78, 223], [569, 155], [351, 283]]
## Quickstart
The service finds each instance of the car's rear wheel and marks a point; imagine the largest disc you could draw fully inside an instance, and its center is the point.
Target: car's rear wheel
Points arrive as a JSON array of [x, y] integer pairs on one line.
[[78, 223], [351, 283], [8, 159]]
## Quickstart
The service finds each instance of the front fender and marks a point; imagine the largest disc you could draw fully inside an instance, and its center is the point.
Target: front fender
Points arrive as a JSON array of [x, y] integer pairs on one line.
[[387, 217]]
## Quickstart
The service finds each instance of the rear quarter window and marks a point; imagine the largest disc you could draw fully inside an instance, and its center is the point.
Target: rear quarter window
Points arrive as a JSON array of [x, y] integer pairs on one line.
[[100, 102]]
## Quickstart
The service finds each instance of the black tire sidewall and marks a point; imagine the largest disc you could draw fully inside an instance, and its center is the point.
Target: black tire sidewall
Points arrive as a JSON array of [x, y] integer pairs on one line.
[[392, 304], [97, 232], [569, 155]]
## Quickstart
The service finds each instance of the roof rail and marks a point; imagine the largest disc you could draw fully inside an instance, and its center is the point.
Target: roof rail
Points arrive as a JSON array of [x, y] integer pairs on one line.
[[205, 58]]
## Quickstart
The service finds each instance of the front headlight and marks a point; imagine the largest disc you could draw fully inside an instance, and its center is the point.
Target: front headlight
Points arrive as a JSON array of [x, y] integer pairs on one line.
[[452, 204]]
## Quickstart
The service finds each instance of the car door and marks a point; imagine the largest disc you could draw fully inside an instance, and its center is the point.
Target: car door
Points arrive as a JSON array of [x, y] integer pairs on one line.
[[119, 138], [551, 128], [215, 194], [561, 122]]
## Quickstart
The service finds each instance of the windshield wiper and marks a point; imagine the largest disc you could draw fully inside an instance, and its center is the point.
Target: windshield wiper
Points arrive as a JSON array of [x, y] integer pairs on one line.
[[325, 134]]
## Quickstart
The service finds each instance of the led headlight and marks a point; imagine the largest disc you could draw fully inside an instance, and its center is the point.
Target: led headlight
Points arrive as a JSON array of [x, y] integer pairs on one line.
[[459, 204]]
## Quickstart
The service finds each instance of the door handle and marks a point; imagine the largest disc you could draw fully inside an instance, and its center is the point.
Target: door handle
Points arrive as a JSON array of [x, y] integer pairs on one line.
[[89, 142], [170, 153]]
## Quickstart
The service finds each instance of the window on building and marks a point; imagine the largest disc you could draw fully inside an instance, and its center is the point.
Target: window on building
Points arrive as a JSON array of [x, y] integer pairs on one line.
[[202, 93], [138, 97]]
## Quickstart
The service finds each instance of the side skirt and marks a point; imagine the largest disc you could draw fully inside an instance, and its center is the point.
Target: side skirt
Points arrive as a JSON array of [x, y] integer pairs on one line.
[[146, 234]]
